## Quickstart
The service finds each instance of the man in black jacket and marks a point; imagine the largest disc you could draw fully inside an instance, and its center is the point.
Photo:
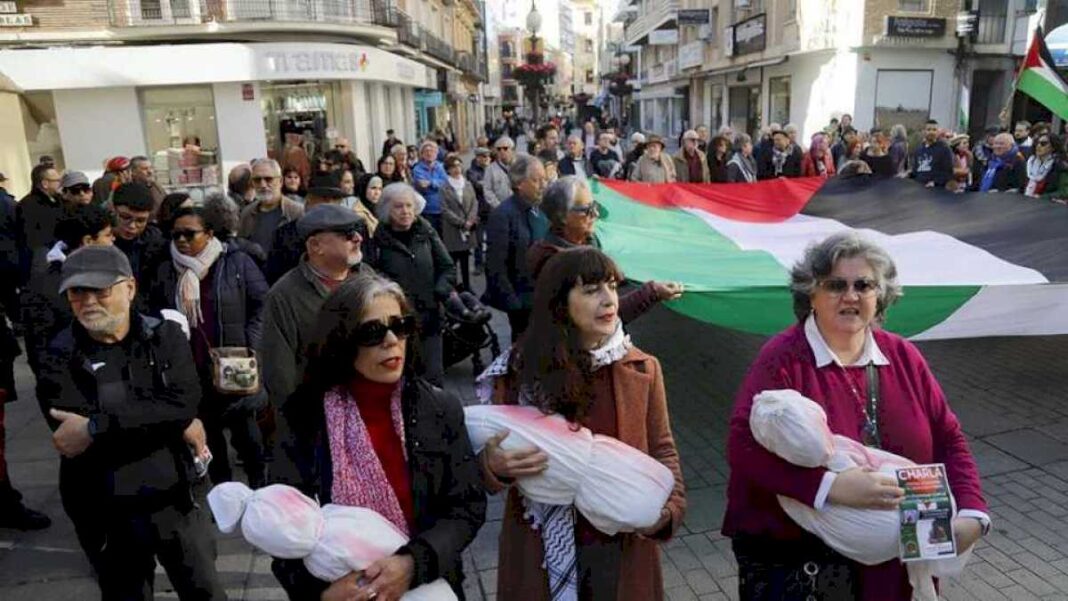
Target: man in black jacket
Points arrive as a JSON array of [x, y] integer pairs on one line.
[[783, 160], [36, 218], [932, 163], [122, 388], [575, 163], [135, 235]]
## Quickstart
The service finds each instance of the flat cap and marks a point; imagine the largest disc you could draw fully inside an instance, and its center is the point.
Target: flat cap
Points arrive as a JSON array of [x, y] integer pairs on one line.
[[326, 217], [74, 178], [482, 152], [95, 267], [325, 185]]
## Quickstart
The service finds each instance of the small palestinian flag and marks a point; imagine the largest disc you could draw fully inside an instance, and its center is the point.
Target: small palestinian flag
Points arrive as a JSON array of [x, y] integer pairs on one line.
[[1038, 78], [971, 264]]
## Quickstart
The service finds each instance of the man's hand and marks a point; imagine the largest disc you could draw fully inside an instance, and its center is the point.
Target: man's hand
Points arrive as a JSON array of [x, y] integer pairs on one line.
[[388, 578], [513, 464], [195, 436], [72, 437]]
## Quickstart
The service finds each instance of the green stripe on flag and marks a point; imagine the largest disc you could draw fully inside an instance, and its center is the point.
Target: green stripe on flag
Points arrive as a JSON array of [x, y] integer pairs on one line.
[[1048, 93], [726, 286]]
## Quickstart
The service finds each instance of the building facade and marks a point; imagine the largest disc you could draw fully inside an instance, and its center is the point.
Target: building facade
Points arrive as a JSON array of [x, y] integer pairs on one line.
[[91, 79], [748, 63]]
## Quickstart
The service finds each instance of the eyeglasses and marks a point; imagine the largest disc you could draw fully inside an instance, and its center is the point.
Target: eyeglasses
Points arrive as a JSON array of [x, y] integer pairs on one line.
[[269, 179], [838, 286], [373, 333], [187, 234], [342, 146], [1043, 142], [81, 294], [589, 210], [79, 189], [128, 218]]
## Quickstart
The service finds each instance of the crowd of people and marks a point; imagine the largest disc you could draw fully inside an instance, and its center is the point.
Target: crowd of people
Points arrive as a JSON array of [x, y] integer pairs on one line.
[[301, 311]]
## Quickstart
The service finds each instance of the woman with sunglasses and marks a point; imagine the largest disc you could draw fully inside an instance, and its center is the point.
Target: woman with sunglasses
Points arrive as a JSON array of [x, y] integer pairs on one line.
[[568, 204], [576, 361], [368, 432], [877, 389], [220, 291], [409, 251], [1042, 172]]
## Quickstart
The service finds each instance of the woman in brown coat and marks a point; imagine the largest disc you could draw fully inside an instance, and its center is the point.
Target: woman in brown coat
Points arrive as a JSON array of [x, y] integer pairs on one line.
[[585, 369]]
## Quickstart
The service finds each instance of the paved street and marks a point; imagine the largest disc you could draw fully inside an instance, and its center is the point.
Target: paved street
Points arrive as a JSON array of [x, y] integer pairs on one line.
[[1009, 394]]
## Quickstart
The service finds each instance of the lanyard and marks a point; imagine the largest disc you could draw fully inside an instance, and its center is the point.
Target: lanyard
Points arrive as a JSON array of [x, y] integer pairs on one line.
[[871, 414]]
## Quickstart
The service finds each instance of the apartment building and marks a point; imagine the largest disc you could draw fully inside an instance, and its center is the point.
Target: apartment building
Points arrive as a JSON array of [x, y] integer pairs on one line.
[[747, 63], [83, 80]]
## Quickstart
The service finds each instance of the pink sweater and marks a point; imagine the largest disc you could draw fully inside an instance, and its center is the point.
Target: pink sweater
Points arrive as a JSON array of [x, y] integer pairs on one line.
[[914, 421]]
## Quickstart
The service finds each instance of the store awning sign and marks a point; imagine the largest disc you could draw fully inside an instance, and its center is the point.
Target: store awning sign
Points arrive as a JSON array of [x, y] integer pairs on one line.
[[23, 20], [692, 54], [663, 37], [915, 27], [750, 36], [693, 16], [8, 8]]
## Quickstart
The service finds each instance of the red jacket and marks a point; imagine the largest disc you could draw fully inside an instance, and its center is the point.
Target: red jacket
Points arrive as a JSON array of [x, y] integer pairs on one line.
[[808, 166], [914, 421]]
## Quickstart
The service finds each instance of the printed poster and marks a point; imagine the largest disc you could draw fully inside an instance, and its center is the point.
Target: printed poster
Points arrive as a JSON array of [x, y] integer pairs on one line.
[[926, 513]]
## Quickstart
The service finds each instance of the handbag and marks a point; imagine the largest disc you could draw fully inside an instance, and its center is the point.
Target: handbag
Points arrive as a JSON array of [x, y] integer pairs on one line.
[[804, 570], [235, 370]]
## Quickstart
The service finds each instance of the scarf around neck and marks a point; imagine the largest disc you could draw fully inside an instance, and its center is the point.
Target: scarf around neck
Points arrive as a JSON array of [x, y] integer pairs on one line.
[[191, 270], [1037, 171], [746, 165], [458, 184], [555, 522], [996, 163], [359, 480]]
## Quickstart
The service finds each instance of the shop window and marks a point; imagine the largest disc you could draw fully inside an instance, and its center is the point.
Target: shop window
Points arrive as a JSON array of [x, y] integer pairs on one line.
[[913, 6], [300, 121], [903, 97], [779, 95], [181, 135]]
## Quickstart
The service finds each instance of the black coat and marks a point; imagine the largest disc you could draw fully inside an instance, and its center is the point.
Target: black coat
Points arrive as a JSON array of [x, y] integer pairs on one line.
[[513, 228], [137, 454], [240, 290], [424, 269], [1012, 176], [717, 169], [36, 218], [145, 253], [790, 168], [9, 255], [567, 166], [287, 247], [44, 312], [447, 494]]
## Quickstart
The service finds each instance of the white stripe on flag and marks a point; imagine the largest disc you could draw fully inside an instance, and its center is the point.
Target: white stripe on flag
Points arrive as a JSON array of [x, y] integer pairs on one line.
[[923, 258], [1006, 311]]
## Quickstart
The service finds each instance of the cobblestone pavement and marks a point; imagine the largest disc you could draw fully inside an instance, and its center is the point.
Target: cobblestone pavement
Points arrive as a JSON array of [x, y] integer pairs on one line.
[[1008, 393]]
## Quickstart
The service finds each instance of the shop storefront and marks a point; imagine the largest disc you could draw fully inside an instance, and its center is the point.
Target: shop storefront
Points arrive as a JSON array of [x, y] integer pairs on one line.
[[199, 109]]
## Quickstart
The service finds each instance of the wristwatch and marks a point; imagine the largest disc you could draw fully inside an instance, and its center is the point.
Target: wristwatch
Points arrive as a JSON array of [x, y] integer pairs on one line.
[[91, 427]]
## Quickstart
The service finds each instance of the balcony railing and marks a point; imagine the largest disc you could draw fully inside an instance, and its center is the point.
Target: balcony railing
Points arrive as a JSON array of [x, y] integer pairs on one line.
[[656, 11], [143, 13], [991, 28], [439, 48]]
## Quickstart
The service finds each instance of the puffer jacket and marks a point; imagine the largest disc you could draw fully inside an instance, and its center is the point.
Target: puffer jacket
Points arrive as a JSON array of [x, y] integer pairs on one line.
[[424, 270], [240, 290]]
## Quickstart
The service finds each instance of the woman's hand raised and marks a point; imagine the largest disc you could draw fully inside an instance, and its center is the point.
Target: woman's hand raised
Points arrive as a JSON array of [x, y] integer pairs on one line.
[[865, 489], [513, 464]]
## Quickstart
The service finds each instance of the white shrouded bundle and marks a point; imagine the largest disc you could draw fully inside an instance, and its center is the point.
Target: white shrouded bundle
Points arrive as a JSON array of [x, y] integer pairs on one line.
[[333, 540], [615, 486], [794, 427]]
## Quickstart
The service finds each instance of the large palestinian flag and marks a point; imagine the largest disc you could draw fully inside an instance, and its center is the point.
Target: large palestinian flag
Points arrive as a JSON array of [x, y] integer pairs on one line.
[[971, 264], [1038, 78]]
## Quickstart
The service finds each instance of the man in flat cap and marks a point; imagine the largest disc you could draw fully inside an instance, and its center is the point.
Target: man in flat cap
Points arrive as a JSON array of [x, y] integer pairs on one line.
[[331, 235], [122, 389], [76, 189]]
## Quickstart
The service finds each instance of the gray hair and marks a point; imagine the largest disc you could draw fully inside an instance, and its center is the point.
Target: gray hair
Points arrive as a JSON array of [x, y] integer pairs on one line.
[[819, 261], [741, 140], [520, 168], [398, 148], [394, 192], [559, 197], [575, 137], [273, 164], [221, 215], [791, 128], [371, 286], [426, 143], [898, 132], [504, 141]]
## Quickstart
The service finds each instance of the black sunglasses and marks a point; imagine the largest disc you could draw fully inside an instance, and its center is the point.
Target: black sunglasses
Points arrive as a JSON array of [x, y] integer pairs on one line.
[[79, 189], [373, 333], [1043, 142], [587, 210], [187, 234]]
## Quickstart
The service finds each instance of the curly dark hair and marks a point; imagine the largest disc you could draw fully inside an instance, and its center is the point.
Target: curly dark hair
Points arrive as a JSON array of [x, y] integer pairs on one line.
[[81, 221], [550, 361]]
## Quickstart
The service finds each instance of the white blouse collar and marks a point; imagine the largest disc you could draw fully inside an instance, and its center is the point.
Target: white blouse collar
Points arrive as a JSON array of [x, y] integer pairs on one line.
[[824, 355]]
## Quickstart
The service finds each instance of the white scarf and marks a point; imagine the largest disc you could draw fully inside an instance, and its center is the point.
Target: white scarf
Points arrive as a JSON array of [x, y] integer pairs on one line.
[[1037, 170], [191, 270], [458, 184]]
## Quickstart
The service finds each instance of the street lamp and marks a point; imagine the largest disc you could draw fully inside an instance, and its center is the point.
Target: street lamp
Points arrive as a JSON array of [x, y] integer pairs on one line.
[[533, 26]]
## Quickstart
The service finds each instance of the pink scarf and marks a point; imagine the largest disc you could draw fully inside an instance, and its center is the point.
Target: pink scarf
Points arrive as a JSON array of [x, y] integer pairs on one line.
[[359, 479]]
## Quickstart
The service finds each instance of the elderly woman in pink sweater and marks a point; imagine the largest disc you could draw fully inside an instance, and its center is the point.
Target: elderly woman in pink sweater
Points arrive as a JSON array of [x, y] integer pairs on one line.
[[876, 388]]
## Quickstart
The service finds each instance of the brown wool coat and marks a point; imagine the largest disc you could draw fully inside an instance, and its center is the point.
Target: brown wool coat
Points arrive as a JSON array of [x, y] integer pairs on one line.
[[643, 423]]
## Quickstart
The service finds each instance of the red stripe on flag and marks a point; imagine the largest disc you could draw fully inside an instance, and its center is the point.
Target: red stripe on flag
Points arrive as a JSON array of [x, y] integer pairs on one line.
[[768, 201]]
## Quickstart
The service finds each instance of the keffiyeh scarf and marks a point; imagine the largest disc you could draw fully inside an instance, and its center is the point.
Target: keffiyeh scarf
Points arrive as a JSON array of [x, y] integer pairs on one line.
[[359, 480], [555, 522], [191, 270]]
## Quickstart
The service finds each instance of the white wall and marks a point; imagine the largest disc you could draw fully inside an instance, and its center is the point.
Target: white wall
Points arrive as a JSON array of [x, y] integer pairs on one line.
[[943, 93], [241, 133], [822, 84], [97, 124]]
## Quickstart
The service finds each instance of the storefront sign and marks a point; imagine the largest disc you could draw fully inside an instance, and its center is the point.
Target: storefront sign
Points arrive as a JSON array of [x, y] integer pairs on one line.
[[248, 91], [16, 20], [319, 61], [8, 8], [692, 54], [698, 16], [750, 36], [663, 37], [915, 27]]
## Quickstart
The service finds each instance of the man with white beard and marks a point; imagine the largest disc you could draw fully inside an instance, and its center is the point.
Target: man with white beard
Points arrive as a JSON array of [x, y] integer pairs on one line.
[[270, 209], [332, 254]]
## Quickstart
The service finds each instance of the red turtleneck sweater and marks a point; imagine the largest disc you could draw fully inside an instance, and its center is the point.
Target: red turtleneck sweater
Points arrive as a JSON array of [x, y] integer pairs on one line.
[[373, 400]]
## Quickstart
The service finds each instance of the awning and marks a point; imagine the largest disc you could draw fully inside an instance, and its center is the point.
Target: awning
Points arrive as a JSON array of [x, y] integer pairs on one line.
[[735, 68]]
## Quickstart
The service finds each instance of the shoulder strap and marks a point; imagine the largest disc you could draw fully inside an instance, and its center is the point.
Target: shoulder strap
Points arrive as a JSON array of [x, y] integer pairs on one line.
[[872, 431]]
